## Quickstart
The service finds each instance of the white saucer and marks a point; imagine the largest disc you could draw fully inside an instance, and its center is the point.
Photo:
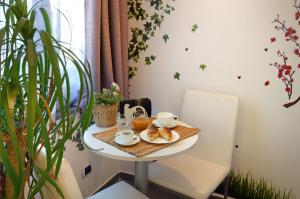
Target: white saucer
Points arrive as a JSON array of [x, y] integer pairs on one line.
[[157, 124], [133, 142], [144, 136]]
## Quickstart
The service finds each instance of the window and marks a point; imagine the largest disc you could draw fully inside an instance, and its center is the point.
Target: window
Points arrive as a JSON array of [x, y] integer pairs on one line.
[[67, 18], [69, 27]]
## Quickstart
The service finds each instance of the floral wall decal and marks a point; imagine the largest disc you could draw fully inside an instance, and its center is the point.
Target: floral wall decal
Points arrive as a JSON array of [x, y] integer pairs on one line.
[[148, 22], [286, 71]]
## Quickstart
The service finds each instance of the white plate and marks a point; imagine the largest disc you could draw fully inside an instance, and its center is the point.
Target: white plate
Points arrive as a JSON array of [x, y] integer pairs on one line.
[[159, 140], [156, 123], [133, 142]]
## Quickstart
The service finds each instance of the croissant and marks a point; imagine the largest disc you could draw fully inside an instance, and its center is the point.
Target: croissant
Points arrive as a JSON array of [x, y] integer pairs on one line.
[[153, 133], [166, 133]]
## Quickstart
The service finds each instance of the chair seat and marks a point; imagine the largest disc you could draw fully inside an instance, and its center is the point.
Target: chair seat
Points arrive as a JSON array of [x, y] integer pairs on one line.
[[188, 175], [117, 191]]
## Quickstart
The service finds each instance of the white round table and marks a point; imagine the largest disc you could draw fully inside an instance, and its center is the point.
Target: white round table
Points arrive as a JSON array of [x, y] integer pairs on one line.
[[141, 164]]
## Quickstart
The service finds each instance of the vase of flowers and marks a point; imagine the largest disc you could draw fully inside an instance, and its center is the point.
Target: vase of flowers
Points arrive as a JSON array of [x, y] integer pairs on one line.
[[106, 106]]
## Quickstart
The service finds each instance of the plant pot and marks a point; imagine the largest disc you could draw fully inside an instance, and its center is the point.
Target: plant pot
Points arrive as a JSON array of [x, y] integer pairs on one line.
[[105, 115]]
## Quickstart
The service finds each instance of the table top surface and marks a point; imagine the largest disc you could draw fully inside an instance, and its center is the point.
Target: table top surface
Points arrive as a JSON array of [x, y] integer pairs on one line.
[[104, 149]]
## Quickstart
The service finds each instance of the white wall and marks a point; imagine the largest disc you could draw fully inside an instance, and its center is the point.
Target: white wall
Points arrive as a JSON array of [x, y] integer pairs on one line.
[[230, 40], [102, 168]]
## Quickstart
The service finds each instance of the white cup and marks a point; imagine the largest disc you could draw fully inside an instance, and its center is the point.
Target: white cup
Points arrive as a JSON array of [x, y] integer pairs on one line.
[[126, 136], [166, 118]]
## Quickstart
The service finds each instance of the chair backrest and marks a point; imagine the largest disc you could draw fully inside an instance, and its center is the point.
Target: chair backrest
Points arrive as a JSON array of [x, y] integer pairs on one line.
[[216, 115], [144, 102], [129, 112], [66, 180]]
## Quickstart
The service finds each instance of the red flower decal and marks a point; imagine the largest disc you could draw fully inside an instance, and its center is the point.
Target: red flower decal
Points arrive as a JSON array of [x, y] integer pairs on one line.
[[296, 51], [273, 39], [295, 37], [297, 15], [267, 83], [290, 32]]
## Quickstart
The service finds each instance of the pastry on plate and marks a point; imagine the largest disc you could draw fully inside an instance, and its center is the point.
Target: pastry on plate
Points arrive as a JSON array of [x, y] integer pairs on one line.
[[153, 133], [166, 133]]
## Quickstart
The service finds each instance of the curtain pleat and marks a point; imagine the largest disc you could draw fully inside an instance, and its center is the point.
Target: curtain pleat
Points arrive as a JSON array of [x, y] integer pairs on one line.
[[109, 54], [124, 38], [92, 38], [107, 75]]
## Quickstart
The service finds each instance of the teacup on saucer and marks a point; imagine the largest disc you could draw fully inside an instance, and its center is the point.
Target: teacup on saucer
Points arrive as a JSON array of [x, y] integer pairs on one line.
[[126, 138], [136, 139], [169, 125], [166, 118]]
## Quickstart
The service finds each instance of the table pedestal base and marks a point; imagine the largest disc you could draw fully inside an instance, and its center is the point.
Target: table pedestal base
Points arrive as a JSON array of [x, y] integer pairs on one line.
[[141, 176]]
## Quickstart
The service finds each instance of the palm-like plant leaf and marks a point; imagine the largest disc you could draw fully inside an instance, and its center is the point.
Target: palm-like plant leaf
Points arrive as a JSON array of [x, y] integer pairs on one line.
[[33, 70]]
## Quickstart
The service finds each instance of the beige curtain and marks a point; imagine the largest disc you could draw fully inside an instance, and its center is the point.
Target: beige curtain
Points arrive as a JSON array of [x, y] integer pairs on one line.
[[107, 42]]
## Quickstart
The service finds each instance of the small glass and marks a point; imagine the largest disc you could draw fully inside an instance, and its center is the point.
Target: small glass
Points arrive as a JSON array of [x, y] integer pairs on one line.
[[122, 122], [140, 121]]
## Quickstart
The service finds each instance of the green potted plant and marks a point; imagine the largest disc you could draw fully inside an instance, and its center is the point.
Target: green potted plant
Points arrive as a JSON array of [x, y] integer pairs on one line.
[[32, 73], [106, 106], [247, 187]]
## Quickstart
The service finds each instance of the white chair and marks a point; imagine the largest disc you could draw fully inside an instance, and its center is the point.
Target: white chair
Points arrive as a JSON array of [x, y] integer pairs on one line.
[[70, 188], [198, 172]]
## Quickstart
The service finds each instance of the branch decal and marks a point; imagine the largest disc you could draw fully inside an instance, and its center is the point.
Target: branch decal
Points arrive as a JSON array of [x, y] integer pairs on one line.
[[285, 70]]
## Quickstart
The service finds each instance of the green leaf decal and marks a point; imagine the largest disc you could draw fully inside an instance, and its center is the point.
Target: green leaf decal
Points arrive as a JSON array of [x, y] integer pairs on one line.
[[202, 66], [149, 60], [166, 37], [177, 76], [151, 20], [195, 27]]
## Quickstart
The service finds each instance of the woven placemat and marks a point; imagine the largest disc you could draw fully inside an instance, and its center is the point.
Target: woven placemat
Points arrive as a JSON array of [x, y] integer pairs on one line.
[[144, 148]]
